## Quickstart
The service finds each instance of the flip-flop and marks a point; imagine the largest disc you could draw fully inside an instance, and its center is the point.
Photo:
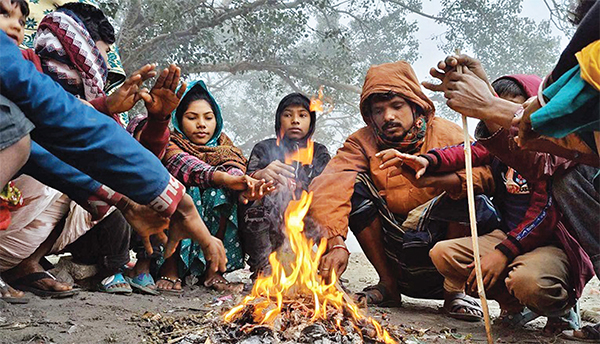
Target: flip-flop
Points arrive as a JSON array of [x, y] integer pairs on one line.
[[170, 291], [462, 301], [370, 299], [591, 333], [11, 299], [108, 285], [516, 319], [24, 283], [141, 282], [557, 324]]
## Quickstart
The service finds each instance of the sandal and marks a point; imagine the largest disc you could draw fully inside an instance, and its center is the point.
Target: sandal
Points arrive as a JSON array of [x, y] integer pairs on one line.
[[25, 283], [569, 321], [142, 282], [367, 297], [170, 291], [109, 285], [587, 334], [460, 301], [516, 319], [5, 288]]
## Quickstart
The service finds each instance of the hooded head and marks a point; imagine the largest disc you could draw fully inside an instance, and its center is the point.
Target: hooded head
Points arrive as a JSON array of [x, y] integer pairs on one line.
[[395, 85], [517, 87], [294, 99], [197, 91]]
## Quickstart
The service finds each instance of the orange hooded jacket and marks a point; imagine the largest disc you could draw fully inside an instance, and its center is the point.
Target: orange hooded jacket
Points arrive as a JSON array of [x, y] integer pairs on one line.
[[333, 189]]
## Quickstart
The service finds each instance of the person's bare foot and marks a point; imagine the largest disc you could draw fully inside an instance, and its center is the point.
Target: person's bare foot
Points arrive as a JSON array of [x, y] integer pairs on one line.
[[29, 266], [216, 281], [169, 280], [8, 291]]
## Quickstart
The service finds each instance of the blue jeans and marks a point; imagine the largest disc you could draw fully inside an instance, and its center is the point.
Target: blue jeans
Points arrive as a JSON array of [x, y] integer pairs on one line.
[[580, 204]]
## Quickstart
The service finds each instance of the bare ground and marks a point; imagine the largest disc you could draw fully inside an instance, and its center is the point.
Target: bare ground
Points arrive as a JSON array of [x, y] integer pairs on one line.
[[92, 317]]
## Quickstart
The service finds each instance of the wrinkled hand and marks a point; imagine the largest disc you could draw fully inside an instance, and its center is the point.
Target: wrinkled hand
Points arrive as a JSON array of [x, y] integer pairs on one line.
[[449, 64], [391, 158], [145, 221], [526, 133], [162, 99], [186, 223], [277, 172], [126, 96], [333, 260], [493, 265], [469, 95], [256, 189]]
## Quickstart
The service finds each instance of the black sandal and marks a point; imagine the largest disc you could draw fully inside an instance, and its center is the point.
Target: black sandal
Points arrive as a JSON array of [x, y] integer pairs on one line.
[[369, 298], [25, 283], [5, 288]]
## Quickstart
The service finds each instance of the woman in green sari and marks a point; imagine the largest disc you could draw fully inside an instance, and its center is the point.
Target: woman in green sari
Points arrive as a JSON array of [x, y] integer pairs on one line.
[[205, 160]]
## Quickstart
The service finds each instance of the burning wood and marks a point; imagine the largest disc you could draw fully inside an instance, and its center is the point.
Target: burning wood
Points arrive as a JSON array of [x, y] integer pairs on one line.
[[295, 292]]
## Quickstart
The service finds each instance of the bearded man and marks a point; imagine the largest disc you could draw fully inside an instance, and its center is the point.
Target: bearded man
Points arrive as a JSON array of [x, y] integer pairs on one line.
[[356, 191]]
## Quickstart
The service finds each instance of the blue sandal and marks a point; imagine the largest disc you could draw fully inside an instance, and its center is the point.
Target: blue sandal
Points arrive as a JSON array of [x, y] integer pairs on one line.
[[109, 285], [142, 282]]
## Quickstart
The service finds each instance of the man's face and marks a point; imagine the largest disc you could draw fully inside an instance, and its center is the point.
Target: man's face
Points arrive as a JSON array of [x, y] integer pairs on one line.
[[104, 50], [12, 21], [393, 117], [295, 122]]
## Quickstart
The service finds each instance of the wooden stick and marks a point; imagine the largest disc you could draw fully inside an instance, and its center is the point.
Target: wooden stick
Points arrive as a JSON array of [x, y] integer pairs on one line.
[[473, 221]]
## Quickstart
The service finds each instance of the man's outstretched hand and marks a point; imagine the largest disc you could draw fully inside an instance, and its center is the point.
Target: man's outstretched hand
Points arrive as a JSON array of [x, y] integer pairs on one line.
[[187, 223], [333, 259], [391, 158], [126, 96], [163, 98], [144, 221]]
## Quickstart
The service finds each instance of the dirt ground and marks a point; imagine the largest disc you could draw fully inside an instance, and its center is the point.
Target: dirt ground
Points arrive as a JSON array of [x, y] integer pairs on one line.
[[92, 317]]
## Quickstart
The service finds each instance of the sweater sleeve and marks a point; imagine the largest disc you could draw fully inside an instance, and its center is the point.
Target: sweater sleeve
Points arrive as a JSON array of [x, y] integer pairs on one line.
[[333, 189], [538, 225], [155, 136], [190, 170]]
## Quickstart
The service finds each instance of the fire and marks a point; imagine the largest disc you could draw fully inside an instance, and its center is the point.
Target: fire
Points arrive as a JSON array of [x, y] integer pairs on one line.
[[299, 277], [304, 155]]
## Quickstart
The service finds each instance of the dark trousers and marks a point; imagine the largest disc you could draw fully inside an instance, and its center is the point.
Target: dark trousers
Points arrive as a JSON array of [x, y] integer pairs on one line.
[[106, 244]]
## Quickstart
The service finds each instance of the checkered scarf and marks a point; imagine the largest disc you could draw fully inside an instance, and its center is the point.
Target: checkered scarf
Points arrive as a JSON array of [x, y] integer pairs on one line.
[[69, 55]]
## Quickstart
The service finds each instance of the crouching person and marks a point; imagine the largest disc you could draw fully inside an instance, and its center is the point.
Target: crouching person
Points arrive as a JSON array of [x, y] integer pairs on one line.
[[263, 220]]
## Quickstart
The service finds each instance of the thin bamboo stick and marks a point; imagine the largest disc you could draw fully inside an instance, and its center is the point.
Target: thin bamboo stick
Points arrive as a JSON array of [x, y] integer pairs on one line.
[[473, 221]]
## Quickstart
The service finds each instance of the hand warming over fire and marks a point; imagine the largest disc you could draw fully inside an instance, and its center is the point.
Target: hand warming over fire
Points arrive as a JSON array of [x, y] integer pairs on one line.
[[256, 189], [187, 223], [144, 221], [391, 158], [277, 173], [335, 259]]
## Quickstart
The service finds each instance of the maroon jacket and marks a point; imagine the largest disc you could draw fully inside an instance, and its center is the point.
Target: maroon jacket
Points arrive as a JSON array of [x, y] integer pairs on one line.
[[541, 223]]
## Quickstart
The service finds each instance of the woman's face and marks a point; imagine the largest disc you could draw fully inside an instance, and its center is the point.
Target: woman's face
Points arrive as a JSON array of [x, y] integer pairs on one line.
[[199, 122]]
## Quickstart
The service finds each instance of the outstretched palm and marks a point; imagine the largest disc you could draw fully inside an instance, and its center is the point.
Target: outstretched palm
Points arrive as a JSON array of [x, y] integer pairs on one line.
[[126, 96], [162, 98]]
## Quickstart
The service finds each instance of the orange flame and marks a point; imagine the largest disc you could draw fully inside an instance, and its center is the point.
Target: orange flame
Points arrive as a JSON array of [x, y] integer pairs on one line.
[[299, 277], [303, 155]]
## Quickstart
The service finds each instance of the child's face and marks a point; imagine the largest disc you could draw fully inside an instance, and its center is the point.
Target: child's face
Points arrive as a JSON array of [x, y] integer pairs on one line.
[[12, 21], [199, 122], [295, 122]]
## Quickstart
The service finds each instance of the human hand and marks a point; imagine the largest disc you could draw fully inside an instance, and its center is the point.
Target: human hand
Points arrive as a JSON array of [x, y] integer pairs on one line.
[[126, 96], [334, 260], [493, 265], [256, 190], [162, 99], [144, 221], [449, 64], [276, 172], [392, 158], [526, 133], [187, 223], [469, 95]]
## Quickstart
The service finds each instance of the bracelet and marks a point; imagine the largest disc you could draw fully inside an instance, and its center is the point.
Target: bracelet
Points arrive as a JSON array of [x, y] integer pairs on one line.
[[343, 247]]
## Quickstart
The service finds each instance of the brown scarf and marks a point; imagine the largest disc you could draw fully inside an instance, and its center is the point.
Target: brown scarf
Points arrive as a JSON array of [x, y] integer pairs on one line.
[[224, 154]]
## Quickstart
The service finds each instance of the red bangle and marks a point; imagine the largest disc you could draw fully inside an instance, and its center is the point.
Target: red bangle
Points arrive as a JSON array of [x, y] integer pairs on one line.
[[343, 247]]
